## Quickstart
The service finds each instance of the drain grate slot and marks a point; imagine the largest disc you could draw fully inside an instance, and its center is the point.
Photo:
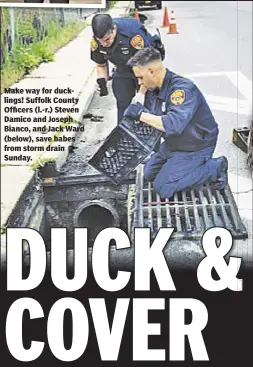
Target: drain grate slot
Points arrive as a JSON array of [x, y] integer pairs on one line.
[[215, 217], [231, 209], [195, 212], [150, 214], [158, 212], [168, 216], [204, 202], [186, 213], [177, 214], [221, 208], [190, 212]]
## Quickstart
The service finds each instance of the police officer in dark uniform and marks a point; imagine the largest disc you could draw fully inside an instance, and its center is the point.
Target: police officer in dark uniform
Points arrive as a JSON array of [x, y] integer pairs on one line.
[[175, 105], [117, 40]]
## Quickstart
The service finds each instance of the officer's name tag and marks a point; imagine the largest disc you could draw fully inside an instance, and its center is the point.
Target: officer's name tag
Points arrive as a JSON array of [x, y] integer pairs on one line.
[[164, 107]]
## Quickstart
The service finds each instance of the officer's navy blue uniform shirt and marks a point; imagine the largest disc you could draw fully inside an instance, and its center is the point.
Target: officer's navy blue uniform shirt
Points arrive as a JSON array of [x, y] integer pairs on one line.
[[131, 37], [187, 119]]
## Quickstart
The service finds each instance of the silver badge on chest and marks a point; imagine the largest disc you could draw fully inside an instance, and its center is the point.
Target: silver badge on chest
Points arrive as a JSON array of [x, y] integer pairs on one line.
[[164, 107]]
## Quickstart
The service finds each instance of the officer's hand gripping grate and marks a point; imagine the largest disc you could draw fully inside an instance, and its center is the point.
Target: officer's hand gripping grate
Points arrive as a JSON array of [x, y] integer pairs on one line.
[[124, 149]]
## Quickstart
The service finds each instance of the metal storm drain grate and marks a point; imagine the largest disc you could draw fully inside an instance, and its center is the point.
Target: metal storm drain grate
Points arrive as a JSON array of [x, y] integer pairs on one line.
[[191, 212]]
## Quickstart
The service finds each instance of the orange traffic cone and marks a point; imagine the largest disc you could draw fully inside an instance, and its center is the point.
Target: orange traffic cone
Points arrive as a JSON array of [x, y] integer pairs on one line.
[[136, 14], [166, 22], [173, 25]]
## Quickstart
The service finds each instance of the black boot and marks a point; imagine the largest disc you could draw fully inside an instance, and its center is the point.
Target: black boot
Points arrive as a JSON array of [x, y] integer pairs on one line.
[[222, 174]]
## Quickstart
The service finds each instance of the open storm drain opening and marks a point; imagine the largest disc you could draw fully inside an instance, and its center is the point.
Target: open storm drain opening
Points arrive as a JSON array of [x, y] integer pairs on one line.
[[96, 215], [191, 212]]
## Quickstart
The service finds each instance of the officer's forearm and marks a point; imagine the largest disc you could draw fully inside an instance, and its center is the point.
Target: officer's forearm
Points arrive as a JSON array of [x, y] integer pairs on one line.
[[102, 71], [152, 120]]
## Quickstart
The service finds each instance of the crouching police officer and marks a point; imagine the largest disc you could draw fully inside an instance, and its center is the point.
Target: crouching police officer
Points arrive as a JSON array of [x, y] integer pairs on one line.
[[174, 105], [117, 40]]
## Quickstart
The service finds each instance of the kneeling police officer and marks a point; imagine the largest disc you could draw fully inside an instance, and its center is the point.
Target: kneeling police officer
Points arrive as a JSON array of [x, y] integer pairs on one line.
[[117, 40], [175, 105]]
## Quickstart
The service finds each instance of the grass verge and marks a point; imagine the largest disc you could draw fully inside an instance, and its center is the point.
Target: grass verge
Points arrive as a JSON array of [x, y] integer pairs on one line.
[[24, 59]]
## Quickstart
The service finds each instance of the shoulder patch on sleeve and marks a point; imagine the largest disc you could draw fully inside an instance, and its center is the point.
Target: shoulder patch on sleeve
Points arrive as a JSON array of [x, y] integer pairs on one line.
[[137, 42], [178, 96], [93, 44]]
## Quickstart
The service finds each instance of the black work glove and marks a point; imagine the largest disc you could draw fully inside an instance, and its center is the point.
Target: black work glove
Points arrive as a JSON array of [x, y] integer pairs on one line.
[[134, 111], [102, 85]]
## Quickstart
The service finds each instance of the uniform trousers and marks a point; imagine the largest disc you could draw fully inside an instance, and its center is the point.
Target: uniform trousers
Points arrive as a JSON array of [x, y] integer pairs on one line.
[[124, 90], [172, 171]]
